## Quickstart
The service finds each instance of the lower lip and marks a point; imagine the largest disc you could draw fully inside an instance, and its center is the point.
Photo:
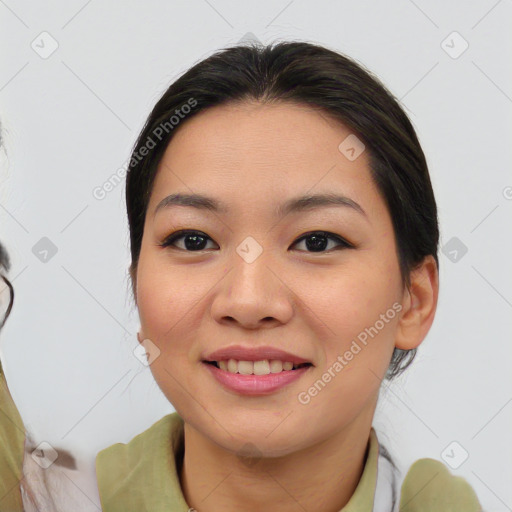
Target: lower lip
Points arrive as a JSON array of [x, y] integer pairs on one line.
[[256, 384]]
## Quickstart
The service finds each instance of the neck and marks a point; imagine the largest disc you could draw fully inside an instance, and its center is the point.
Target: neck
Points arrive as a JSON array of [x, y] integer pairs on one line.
[[320, 477]]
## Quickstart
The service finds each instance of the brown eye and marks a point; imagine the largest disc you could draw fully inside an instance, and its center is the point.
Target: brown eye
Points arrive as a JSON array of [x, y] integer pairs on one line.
[[193, 240], [317, 241]]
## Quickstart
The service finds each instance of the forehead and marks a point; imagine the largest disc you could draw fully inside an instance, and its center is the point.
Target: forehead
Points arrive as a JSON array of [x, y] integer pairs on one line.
[[249, 151]]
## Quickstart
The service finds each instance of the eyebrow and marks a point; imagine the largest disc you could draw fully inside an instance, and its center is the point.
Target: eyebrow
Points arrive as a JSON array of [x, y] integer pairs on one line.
[[294, 205]]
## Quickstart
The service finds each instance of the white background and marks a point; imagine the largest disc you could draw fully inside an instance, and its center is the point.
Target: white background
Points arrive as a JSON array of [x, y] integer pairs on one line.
[[69, 122]]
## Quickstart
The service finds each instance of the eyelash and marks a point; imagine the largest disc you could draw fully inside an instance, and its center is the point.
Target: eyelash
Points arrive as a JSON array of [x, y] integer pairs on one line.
[[184, 232]]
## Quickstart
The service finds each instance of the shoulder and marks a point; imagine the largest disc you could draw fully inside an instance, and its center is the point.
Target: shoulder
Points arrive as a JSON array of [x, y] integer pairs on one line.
[[141, 474], [119, 456], [429, 486]]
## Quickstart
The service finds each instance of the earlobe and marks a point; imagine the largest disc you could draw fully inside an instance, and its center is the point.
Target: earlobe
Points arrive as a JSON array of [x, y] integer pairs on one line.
[[419, 305]]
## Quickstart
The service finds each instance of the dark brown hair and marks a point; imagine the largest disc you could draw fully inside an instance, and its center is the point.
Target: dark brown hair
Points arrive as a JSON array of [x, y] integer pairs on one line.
[[312, 75]]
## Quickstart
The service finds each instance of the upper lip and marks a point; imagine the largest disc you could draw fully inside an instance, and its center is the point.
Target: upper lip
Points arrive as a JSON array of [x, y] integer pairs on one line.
[[241, 353]]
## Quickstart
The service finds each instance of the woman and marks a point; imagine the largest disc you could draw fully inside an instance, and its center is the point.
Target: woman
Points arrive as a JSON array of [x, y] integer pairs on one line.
[[284, 243], [31, 483]]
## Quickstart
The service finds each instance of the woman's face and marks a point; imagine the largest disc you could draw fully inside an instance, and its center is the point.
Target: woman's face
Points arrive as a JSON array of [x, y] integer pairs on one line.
[[254, 281]]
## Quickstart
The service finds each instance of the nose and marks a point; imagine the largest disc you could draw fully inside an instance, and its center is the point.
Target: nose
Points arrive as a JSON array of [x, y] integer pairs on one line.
[[253, 295]]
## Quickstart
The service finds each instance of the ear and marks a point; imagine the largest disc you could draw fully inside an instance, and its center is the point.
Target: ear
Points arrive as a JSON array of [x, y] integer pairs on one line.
[[419, 305]]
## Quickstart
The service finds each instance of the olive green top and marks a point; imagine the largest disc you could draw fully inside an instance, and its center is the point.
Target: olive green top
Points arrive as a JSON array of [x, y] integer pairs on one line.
[[12, 443], [143, 475]]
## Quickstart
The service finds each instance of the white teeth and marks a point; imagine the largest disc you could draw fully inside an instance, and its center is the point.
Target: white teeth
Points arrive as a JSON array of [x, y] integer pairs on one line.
[[245, 367], [263, 367], [276, 366]]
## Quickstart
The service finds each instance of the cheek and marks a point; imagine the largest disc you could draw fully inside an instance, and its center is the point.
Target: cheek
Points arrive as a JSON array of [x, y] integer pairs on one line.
[[357, 305], [164, 296], [357, 348], [165, 300], [152, 300], [172, 308]]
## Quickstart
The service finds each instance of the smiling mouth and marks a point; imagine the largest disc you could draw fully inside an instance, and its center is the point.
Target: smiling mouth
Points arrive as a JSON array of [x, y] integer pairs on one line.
[[263, 367]]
